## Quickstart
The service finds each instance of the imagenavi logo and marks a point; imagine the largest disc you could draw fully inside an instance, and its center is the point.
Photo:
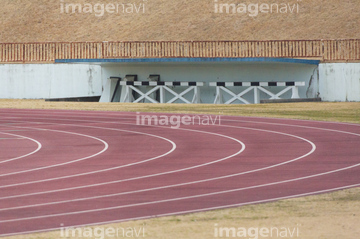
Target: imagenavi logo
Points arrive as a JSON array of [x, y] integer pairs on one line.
[[102, 232], [100, 9], [176, 121], [256, 232], [254, 9]]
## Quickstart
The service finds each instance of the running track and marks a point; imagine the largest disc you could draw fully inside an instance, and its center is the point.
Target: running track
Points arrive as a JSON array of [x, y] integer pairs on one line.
[[73, 168]]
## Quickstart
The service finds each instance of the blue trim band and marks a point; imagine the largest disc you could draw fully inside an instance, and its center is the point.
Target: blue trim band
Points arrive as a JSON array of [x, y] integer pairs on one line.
[[150, 60]]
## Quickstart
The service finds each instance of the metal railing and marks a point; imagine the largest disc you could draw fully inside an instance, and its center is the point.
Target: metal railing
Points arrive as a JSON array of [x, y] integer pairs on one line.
[[47, 52]]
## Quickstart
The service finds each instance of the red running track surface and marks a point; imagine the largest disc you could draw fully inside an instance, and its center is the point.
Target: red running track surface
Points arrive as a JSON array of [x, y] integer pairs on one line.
[[74, 168]]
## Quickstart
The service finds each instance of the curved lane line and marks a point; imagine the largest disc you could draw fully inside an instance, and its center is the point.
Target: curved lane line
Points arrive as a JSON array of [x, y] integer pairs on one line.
[[191, 211], [175, 199], [61, 164], [299, 126], [39, 146], [316, 175], [131, 116], [106, 147], [168, 186], [182, 184], [147, 160], [104, 170]]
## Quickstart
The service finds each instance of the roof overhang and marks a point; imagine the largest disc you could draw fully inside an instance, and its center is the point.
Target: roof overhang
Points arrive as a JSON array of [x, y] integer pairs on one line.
[[188, 60]]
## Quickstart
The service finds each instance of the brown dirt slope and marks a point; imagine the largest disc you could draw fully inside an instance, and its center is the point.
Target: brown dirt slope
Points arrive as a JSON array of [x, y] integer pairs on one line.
[[42, 20]]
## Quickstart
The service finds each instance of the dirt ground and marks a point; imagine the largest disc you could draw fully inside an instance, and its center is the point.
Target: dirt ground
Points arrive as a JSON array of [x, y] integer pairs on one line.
[[48, 20], [327, 216]]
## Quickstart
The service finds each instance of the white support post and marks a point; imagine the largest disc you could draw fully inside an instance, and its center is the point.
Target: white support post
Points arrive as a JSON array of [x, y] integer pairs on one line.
[[109, 90], [256, 95], [196, 99], [218, 97], [162, 94], [295, 92], [128, 98]]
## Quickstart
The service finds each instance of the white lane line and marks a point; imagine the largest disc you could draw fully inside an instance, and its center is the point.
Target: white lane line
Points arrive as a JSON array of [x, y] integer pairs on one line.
[[39, 146], [147, 160], [131, 116], [313, 148], [108, 169], [297, 126], [173, 199], [292, 179], [163, 187], [106, 146], [289, 119], [117, 114], [342, 131], [189, 211], [234, 126]]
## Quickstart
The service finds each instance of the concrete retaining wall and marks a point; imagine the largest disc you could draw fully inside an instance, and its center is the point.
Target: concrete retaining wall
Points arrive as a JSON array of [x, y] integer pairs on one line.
[[39, 81], [330, 81], [339, 81]]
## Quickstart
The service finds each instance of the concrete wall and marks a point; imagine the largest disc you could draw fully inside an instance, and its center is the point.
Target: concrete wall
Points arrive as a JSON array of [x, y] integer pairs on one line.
[[38, 81], [330, 81], [339, 81], [221, 71]]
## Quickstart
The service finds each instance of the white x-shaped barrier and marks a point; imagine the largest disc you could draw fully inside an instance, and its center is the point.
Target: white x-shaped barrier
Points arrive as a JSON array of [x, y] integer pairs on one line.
[[256, 87], [163, 88], [163, 92]]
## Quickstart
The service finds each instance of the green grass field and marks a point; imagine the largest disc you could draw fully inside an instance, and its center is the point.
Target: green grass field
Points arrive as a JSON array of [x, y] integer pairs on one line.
[[329, 216]]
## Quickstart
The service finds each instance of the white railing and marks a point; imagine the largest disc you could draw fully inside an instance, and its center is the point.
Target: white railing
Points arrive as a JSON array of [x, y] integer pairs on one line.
[[163, 88], [164, 91], [256, 87]]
